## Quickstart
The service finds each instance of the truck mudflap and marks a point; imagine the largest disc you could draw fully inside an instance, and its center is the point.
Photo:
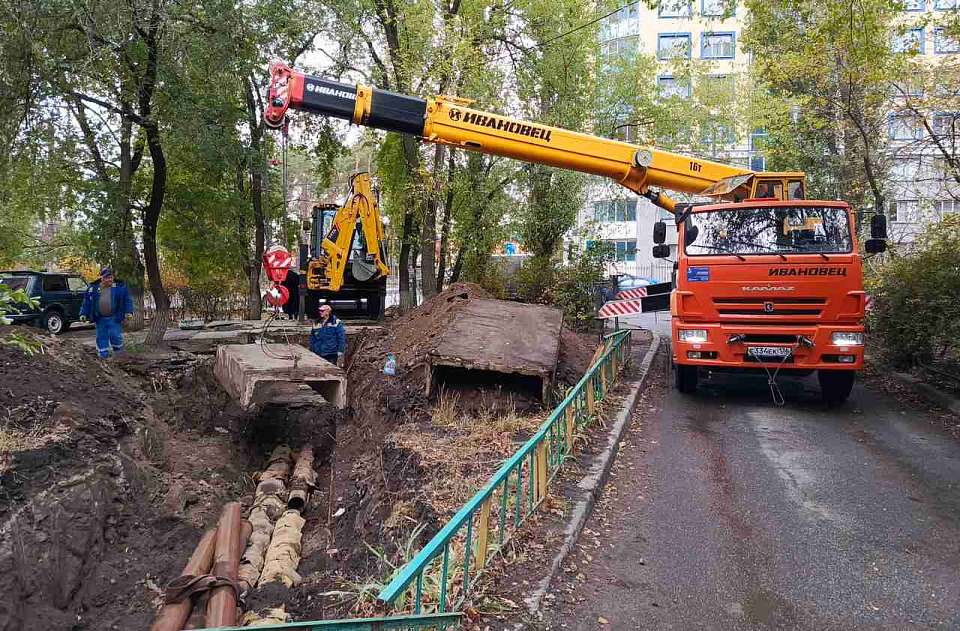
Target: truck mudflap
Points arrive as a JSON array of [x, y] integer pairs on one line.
[[785, 348]]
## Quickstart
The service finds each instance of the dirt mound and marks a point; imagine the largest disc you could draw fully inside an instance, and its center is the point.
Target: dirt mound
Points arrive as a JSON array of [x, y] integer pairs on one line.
[[101, 499], [576, 351]]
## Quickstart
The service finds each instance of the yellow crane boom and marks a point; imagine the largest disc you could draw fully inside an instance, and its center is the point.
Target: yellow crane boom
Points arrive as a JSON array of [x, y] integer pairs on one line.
[[448, 120]]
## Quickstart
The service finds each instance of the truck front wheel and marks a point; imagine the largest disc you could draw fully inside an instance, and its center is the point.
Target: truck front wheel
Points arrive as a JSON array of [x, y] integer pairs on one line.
[[835, 385], [685, 378]]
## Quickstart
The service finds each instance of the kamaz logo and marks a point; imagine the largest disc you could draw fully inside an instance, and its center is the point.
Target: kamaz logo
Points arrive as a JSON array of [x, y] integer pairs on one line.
[[500, 124], [807, 271], [766, 288], [322, 89]]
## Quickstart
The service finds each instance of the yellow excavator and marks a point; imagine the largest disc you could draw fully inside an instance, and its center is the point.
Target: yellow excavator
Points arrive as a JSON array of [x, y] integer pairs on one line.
[[347, 257]]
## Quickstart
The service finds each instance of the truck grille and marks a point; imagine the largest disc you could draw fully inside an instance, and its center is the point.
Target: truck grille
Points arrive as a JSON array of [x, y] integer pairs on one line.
[[770, 306]]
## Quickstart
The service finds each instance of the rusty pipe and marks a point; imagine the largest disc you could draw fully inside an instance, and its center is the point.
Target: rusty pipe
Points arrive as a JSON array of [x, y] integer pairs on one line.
[[222, 606], [172, 616], [199, 614], [303, 480]]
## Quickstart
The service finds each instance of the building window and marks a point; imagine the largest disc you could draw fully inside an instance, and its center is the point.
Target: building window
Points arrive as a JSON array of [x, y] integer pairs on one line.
[[620, 47], [915, 5], [626, 251], [905, 127], [671, 86], [946, 124], [718, 46], [903, 210], [718, 135], [947, 207], [673, 45], [718, 8], [758, 163], [612, 210], [674, 8], [909, 41], [946, 4], [908, 86], [943, 44]]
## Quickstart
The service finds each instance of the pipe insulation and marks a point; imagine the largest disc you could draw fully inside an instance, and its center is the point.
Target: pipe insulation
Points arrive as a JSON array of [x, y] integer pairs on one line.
[[283, 555], [268, 504], [303, 481]]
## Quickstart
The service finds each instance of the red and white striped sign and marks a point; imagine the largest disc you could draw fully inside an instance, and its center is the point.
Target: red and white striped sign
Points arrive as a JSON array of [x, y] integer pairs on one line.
[[619, 308], [627, 294]]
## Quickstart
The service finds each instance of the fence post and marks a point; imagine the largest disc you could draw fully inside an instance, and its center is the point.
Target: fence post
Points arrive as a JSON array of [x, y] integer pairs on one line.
[[483, 535], [591, 396], [541, 471], [568, 417]]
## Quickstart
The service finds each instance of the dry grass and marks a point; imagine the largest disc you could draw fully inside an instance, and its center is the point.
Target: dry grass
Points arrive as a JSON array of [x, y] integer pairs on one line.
[[460, 451]]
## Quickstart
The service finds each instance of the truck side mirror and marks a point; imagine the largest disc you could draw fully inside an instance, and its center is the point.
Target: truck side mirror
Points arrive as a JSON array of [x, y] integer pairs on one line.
[[878, 227], [661, 251], [875, 246], [660, 233]]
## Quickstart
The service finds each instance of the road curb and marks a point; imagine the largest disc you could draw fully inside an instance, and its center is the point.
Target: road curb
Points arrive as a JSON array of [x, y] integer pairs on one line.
[[595, 479], [932, 394]]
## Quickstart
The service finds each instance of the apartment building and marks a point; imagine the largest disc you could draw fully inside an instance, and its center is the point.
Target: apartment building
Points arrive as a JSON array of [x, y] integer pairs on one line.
[[706, 30], [923, 127], [709, 30]]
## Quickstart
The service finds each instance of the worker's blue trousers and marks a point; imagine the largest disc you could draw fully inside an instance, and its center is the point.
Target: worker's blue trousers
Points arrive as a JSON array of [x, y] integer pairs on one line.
[[109, 336]]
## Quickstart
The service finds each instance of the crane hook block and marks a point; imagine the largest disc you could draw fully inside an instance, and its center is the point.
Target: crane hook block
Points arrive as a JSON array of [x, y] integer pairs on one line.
[[276, 263]]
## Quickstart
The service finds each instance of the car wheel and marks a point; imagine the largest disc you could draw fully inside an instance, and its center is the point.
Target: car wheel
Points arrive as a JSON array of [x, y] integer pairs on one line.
[[54, 322]]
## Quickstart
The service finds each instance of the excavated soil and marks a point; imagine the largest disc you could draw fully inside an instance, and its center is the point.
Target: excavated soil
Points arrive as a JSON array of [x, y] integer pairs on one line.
[[110, 471]]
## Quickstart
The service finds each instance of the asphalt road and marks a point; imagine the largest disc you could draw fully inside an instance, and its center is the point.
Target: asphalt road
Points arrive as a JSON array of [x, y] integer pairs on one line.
[[726, 512]]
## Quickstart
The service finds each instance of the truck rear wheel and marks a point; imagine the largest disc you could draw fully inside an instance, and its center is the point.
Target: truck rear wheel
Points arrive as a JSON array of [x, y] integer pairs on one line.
[[685, 378], [835, 385]]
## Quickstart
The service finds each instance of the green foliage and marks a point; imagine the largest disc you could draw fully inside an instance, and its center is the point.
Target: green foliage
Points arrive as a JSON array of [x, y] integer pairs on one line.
[[576, 288], [823, 73], [916, 314], [12, 302]]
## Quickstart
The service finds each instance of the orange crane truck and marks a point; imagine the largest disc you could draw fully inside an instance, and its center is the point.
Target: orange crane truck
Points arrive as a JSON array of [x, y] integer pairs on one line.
[[765, 279]]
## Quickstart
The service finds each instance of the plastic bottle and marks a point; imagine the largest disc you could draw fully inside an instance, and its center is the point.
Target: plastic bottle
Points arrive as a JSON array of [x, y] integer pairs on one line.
[[390, 368]]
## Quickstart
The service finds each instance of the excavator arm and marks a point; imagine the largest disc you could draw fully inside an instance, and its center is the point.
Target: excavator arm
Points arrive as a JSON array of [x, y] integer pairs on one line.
[[328, 270], [449, 121]]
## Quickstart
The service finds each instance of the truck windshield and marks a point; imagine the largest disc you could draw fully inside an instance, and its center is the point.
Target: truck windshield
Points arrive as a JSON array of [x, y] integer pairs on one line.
[[768, 230]]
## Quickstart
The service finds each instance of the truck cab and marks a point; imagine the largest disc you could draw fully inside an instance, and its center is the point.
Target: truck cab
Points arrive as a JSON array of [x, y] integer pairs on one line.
[[769, 285]]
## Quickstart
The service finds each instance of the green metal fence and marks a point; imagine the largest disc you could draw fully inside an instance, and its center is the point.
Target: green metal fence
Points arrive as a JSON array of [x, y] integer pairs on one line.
[[439, 578]]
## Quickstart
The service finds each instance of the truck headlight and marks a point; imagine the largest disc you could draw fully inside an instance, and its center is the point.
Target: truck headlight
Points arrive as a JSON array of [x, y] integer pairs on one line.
[[693, 336], [846, 338]]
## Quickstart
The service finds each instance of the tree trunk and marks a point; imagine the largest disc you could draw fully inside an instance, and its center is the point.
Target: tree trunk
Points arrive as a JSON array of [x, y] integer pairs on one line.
[[445, 224], [457, 267], [256, 166], [151, 217], [428, 233]]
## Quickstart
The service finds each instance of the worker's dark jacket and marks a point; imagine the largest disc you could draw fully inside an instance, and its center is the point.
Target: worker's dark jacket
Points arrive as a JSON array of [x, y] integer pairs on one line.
[[329, 338], [122, 303]]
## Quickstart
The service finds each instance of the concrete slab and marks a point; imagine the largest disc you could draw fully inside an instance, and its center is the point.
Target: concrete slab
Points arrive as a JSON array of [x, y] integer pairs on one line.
[[255, 374], [501, 336]]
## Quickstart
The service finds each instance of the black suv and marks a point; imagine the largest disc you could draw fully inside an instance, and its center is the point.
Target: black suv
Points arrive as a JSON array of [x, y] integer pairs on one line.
[[59, 298]]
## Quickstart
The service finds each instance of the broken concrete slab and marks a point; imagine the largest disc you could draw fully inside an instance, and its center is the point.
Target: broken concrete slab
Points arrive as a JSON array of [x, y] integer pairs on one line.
[[500, 336], [256, 374]]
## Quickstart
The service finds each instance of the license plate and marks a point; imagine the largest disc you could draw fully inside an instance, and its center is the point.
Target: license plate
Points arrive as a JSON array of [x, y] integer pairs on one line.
[[770, 351]]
